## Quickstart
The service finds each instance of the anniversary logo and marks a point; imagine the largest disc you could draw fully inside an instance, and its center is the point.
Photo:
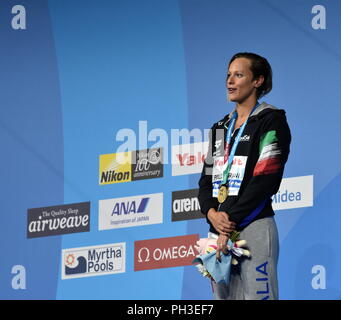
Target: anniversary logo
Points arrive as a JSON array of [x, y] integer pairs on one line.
[[55, 220], [148, 164]]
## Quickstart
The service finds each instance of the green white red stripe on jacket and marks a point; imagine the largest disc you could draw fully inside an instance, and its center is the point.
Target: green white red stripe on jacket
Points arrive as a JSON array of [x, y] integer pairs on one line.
[[269, 155]]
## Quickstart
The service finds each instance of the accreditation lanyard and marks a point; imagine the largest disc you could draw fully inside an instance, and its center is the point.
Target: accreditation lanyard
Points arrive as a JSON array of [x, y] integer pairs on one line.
[[236, 141]]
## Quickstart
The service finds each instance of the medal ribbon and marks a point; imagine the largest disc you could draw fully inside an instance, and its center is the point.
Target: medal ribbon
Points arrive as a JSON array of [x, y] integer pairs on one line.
[[236, 141]]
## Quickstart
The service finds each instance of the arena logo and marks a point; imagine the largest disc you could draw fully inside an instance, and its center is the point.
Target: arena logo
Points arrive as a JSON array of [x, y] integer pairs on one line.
[[130, 166], [295, 192], [93, 261], [185, 205], [164, 252], [56, 220], [130, 211], [188, 158]]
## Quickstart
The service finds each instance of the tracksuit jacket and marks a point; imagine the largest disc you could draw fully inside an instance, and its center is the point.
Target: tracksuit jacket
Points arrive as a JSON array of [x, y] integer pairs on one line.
[[260, 156]]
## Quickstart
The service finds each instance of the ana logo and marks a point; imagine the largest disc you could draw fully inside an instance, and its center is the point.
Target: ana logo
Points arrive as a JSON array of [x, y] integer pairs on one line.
[[127, 207], [130, 211], [165, 252], [93, 261]]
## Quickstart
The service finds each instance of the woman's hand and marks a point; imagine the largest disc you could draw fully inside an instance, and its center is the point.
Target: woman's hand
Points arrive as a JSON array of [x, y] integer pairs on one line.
[[220, 221], [221, 246]]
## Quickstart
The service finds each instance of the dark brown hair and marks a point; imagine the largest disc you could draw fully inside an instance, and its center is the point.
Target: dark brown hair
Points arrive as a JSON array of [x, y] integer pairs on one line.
[[259, 66]]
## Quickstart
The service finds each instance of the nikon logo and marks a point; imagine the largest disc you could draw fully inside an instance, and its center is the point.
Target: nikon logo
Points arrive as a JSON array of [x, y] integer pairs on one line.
[[114, 168], [185, 205], [113, 176]]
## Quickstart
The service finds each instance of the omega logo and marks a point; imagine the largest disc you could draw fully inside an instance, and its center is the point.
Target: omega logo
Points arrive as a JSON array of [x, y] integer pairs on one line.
[[158, 254], [140, 253]]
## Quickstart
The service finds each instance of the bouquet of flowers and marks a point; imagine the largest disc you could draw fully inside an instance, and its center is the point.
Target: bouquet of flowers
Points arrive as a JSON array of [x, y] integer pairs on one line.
[[214, 269]]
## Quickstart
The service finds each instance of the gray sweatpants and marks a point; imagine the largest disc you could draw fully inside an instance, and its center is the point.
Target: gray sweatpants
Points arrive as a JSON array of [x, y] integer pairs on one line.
[[254, 278]]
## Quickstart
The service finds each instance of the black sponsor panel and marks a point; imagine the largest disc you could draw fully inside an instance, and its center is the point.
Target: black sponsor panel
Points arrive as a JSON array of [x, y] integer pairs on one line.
[[147, 164], [185, 205], [56, 220]]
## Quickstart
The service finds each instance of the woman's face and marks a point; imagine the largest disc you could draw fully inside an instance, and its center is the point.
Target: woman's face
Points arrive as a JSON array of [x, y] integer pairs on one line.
[[240, 83]]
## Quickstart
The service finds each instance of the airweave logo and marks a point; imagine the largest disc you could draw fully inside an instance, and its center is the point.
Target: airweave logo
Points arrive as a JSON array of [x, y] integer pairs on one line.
[[93, 261], [130, 211], [55, 220], [185, 205]]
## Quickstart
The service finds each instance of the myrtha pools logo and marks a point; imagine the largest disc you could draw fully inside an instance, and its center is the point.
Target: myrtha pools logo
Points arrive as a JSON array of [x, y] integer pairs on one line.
[[93, 261]]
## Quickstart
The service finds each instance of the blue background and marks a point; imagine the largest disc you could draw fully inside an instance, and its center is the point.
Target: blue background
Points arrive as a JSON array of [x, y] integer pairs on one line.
[[83, 69]]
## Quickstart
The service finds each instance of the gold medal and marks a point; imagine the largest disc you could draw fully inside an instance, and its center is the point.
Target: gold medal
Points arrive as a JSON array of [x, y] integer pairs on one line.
[[222, 194]]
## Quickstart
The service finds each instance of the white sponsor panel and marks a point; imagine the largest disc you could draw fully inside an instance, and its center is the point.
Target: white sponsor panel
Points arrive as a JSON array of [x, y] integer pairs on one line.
[[130, 211], [188, 158], [93, 261], [296, 192], [236, 174]]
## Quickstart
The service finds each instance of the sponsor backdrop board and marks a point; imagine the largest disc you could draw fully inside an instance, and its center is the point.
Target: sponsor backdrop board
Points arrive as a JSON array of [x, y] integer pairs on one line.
[[105, 111]]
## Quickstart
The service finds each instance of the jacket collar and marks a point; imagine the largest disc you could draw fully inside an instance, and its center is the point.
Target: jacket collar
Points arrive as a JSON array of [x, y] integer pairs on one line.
[[258, 110]]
